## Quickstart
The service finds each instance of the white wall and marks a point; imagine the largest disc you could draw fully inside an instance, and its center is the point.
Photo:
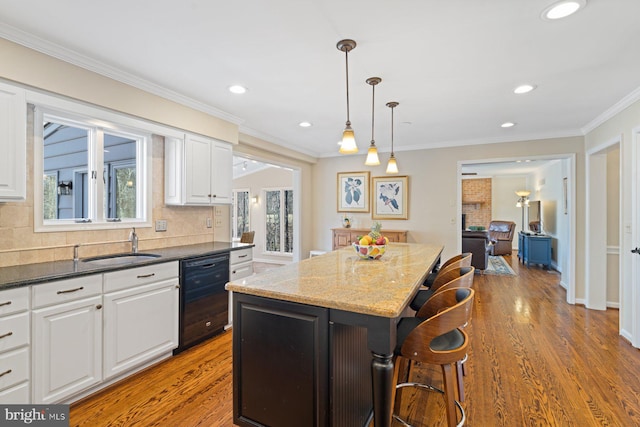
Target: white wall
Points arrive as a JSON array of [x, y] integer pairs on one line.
[[504, 201], [547, 183]]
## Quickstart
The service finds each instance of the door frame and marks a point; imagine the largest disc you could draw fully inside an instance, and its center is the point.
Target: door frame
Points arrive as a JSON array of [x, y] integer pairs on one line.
[[568, 280]]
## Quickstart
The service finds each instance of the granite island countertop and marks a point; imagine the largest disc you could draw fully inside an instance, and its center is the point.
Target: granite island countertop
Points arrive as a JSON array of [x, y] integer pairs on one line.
[[29, 274], [342, 280]]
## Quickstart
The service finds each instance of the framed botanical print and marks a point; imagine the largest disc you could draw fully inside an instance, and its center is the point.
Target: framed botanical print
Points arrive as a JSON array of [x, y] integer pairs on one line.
[[353, 192], [390, 197]]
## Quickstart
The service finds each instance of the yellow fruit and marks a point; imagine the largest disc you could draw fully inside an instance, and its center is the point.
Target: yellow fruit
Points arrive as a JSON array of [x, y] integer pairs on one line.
[[366, 240], [386, 240]]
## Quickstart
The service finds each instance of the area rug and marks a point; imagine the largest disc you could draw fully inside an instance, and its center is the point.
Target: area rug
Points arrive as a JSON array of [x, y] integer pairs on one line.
[[499, 266]]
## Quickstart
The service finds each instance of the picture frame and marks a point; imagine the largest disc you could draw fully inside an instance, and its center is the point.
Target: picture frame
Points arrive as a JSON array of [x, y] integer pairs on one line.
[[353, 192], [390, 197]]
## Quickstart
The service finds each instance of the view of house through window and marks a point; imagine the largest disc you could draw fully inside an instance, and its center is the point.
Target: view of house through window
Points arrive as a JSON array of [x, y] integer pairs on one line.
[[279, 220], [72, 152]]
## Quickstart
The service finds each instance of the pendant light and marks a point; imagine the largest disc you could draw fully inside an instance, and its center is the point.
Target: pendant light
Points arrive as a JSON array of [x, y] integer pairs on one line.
[[392, 166], [348, 145], [372, 154]]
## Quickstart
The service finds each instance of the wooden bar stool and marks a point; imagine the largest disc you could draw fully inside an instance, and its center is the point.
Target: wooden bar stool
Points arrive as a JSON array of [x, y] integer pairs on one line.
[[462, 275], [438, 340], [460, 260]]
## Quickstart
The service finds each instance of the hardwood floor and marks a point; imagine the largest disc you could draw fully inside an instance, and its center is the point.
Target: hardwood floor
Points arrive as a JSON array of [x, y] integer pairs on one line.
[[534, 361]]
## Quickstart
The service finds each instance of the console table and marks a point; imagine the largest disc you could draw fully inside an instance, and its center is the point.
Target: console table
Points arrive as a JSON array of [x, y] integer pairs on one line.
[[346, 236], [534, 249]]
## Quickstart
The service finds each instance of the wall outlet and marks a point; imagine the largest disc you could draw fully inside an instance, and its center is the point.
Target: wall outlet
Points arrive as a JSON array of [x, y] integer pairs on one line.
[[218, 210], [208, 222], [218, 222], [161, 225]]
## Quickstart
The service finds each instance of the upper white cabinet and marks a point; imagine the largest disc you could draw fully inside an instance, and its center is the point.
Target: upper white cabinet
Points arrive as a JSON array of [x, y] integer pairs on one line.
[[198, 171], [13, 143]]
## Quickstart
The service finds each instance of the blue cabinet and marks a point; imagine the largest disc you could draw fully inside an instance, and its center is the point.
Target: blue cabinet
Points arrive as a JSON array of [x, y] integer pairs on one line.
[[534, 249]]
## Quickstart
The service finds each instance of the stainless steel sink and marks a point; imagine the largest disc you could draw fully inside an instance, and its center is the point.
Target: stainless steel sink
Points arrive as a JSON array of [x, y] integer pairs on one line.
[[116, 259]]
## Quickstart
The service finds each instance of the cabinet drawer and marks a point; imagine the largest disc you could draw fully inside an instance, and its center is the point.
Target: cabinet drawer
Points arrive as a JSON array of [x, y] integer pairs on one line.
[[66, 290], [14, 331], [241, 255], [14, 367], [240, 271], [19, 394], [14, 300], [131, 277]]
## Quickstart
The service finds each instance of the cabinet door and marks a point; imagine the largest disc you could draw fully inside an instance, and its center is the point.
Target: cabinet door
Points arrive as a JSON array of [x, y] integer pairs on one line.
[[139, 324], [221, 173], [198, 170], [13, 143], [67, 349]]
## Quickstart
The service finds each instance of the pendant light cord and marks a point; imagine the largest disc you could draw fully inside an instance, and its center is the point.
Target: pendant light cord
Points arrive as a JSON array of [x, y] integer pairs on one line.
[[373, 103], [392, 131], [346, 56]]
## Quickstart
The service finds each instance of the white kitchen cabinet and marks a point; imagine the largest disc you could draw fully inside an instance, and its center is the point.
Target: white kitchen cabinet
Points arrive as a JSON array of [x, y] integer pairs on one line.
[[198, 171], [13, 143], [140, 321], [240, 266], [14, 346], [67, 346]]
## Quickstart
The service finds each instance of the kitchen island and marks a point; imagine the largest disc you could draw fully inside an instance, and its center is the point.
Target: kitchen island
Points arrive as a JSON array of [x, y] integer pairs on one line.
[[313, 341]]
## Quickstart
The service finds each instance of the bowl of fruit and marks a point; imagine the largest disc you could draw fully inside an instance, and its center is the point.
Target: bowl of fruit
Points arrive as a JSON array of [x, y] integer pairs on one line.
[[372, 245]]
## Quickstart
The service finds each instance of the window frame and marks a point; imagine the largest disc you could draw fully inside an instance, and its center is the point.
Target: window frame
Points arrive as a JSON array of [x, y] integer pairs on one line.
[[99, 121], [283, 213], [234, 210]]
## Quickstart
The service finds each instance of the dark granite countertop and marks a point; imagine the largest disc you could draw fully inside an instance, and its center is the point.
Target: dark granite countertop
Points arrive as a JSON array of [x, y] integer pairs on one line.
[[30, 274]]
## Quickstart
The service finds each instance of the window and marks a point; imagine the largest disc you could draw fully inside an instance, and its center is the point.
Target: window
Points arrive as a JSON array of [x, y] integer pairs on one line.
[[95, 172], [279, 221], [240, 213]]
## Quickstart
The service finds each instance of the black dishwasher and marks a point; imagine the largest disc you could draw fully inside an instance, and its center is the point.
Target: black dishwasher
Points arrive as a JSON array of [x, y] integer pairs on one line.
[[203, 299]]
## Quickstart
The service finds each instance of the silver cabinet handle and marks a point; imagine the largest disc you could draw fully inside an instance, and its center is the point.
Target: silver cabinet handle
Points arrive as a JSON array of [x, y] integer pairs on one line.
[[5, 303], [243, 256], [177, 286], [144, 276], [5, 373], [70, 290], [8, 334]]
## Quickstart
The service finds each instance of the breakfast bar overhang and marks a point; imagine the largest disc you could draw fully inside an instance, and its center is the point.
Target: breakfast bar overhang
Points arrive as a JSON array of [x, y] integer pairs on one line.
[[313, 341]]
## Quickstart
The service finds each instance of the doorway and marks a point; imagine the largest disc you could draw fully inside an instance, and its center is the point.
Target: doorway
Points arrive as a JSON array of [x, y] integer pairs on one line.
[[274, 209], [554, 184]]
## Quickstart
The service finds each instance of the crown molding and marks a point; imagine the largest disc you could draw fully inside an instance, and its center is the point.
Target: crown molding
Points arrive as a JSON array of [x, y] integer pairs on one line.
[[67, 55], [616, 108]]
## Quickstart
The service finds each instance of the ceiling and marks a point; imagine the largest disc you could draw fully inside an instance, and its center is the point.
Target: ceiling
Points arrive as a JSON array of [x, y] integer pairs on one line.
[[452, 65]]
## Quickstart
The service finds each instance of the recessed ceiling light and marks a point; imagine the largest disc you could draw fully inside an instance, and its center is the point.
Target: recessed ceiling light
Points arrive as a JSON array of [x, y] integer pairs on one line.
[[526, 88], [237, 89], [562, 9], [305, 124], [507, 125]]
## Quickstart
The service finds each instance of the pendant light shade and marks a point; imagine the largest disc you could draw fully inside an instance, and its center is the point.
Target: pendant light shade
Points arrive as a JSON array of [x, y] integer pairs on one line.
[[348, 145], [392, 166], [372, 154]]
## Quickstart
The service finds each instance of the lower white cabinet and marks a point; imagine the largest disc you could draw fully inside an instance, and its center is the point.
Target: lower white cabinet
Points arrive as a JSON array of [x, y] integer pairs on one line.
[[139, 324], [15, 333], [67, 349]]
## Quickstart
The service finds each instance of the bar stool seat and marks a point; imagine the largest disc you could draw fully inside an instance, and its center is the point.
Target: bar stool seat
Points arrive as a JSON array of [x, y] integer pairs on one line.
[[439, 340]]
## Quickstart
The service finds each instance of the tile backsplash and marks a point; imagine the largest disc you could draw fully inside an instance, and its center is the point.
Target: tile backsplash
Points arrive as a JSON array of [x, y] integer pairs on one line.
[[19, 244]]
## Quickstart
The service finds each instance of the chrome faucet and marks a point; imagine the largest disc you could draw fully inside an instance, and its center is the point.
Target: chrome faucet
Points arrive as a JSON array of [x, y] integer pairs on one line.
[[133, 238]]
